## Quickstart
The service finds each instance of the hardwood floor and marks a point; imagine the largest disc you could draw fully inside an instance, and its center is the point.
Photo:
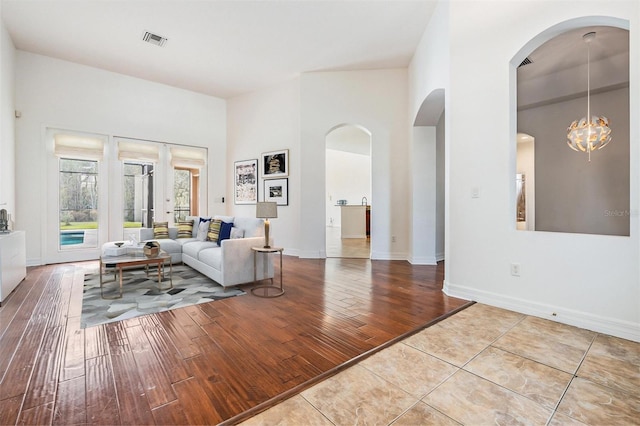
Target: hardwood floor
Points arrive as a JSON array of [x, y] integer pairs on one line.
[[208, 363], [355, 248]]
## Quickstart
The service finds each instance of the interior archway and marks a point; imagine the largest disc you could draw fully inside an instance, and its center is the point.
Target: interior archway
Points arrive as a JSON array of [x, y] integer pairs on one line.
[[428, 181], [349, 194], [559, 79]]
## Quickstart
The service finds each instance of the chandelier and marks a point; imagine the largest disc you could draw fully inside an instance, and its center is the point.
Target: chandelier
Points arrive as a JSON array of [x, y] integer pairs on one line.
[[589, 133]]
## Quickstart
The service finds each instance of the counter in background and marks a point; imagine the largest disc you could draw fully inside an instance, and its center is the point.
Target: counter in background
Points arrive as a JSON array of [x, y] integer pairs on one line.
[[355, 221]]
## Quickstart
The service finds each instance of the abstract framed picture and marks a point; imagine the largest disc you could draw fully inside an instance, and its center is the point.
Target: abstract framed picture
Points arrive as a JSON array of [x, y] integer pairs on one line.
[[275, 164], [245, 189], [277, 190]]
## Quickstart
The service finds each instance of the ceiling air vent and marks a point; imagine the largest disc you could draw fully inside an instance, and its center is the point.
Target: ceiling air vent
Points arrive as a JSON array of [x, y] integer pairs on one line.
[[526, 61], [154, 39]]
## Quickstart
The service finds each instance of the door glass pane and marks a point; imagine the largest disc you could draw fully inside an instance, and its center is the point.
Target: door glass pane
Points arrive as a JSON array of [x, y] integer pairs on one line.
[[138, 194], [78, 214], [182, 191]]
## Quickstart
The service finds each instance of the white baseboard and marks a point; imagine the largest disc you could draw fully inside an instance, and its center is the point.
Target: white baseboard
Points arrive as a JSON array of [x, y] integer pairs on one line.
[[597, 323], [291, 252], [378, 255], [311, 254], [439, 257], [34, 262], [425, 260]]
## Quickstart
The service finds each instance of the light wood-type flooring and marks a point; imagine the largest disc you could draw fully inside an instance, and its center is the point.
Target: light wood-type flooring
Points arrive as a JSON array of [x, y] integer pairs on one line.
[[354, 248], [206, 363]]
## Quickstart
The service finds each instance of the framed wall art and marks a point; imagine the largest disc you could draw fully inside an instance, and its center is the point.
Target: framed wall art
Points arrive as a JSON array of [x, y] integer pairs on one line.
[[245, 190], [275, 164], [277, 190]]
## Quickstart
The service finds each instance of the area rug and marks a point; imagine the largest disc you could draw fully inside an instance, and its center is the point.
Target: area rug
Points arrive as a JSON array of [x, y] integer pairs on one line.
[[142, 296]]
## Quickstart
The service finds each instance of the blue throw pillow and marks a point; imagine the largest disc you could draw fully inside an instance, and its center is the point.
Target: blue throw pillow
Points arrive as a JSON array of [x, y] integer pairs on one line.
[[225, 232]]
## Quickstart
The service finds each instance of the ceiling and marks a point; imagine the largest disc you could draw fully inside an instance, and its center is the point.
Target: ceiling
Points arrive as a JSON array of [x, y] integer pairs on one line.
[[221, 48], [568, 50]]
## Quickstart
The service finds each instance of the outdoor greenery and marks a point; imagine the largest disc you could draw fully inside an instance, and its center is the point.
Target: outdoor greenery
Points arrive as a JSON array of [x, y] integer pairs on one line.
[[79, 194], [182, 194], [78, 191]]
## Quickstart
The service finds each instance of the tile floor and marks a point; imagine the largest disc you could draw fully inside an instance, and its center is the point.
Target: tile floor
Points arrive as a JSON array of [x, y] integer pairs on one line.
[[483, 365]]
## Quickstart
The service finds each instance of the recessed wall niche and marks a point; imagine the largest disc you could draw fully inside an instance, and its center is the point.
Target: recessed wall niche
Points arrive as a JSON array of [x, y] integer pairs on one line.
[[572, 192]]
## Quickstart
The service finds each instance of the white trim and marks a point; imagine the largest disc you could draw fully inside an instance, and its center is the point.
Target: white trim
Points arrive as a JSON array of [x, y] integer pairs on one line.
[[376, 255], [423, 260], [611, 326]]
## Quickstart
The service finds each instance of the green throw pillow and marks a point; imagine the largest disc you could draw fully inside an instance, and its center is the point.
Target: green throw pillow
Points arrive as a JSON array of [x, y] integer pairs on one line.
[[160, 230], [185, 229], [214, 230]]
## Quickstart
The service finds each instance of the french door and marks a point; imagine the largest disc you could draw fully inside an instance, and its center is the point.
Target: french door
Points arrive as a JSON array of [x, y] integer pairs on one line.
[[102, 188]]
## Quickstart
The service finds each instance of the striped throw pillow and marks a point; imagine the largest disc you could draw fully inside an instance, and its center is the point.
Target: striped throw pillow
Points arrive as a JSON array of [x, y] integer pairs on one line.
[[214, 230], [160, 230], [185, 229]]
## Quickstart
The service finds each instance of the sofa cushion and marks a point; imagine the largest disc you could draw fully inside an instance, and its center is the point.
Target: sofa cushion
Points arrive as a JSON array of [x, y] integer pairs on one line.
[[203, 228], [192, 249], [252, 227], [228, 219], [185, 229], [225, 231], [236, 233], [196, 223], [170, 246], [160, 230], [211, 256], [183, 241], [214, 230]]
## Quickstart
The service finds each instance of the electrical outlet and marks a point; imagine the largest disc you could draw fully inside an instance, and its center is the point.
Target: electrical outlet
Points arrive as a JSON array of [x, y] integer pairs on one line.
[[515, 269]]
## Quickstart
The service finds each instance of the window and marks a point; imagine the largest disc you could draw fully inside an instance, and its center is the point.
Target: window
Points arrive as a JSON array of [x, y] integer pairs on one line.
[[182, 194], [187, 163], [138, 195], [78, 192]]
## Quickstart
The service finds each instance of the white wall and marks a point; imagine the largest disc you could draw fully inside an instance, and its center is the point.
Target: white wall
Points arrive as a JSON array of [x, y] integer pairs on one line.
[[440, 188], [428, 80], [348, 178], [375, 100], [591, 281], [263, 121], [7, 123], [424, 194], [51, 92]]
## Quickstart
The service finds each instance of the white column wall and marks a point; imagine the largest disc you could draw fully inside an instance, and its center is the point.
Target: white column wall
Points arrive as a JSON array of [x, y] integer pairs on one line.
[[591, 281], [377, 101], [424, 188], [263, 121], [7, 123], [56, 93]]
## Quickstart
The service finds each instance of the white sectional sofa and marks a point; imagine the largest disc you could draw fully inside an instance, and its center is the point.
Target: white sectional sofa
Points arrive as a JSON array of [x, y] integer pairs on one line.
[[231, 262]]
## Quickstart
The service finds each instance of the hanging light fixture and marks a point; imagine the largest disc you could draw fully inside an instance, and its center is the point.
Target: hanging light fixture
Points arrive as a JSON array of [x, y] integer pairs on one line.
[[589, 133]]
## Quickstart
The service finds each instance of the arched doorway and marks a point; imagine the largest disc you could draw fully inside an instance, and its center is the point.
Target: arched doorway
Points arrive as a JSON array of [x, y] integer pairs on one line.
[[428, 182], [348, 196]]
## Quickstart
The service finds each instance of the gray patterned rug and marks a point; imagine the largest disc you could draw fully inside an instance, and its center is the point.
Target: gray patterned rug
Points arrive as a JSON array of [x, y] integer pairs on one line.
[[141, 295]]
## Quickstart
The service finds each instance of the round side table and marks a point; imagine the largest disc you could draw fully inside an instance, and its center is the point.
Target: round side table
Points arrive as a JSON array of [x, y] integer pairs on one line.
[[268, 290]]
